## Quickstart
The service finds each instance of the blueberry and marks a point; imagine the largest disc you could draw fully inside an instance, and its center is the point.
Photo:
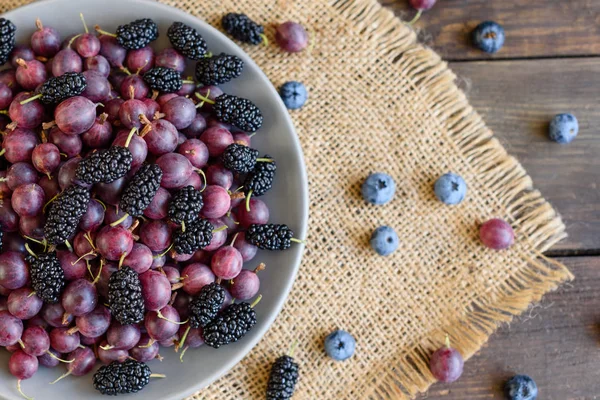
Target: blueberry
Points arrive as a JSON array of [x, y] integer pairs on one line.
[[488, 36], [520, 387], [563, 128], [340, 345], [378, 188], [384, 240], [293, 94], [450, 188]]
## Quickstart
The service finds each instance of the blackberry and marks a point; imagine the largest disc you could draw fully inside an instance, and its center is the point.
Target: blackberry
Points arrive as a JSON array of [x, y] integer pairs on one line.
[[270, 236], [243, 28], [231, 326], [185, 205], [141, 190], [239, 158], [260, 180], [125, 296], [7, 39], [206, 306], [283, 379], [196, 236], [218, 69], [166, 80], [60, 88], [120, 378], [65, 213], [239, 112], [137, 34], [187, 40], [47, 276], [104, 165]]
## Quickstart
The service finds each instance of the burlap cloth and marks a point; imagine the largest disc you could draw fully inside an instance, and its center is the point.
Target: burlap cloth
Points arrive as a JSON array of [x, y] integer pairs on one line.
[[379, 101]]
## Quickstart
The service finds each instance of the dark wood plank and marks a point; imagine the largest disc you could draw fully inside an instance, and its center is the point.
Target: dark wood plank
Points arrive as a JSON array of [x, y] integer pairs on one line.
[[555, 342], [517, 100], [534, 28]]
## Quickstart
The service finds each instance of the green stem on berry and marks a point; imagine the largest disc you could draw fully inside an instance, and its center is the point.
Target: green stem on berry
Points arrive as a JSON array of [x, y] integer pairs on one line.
[[90, 253], [166, 251], [182, 226], [33, 293], [101, 203], [255, 302], [159, 315], [187, 81], [264, 160], [38, 24], [260, 267], [208, 54], [83, 22], [447, 341], [48, 203], [117, 222], [125, 70], [1, 154], [59, 359], [293, 348], [131, 132], [183, 353], [68, 246], [63, 376], [183, 339], [234, 238], [21, 343], [248, 200], [21, 391], [265, 40], [203, 99], [298, 240], [416, 17], [37, 96], [100, 31], [219, 229], [121, 259], [97, 278], [158, 376], [30, 251], [5, 112], [106, 348], [73, 39], [198, 170]]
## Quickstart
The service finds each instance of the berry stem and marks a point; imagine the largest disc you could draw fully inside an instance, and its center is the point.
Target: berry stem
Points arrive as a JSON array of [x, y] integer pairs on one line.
[[416, 17], [199, 171], [61, 377], [97, 278], [260, 267], [234, 238], [117, 222], [48, 125], [2, 153], [48, 203], [84, 24], [166, 251], [32, 98], [298, 240], [21, 343], [131, 132], [447, 341], [125, 70], [159, 315], [38, 24], [31, 294], [73, 330], [73, 39], [255, 302], [21, 63], [68, 246], [182, 226], [89, 253], [100, 31], [203, 99], [293, 348], [248, 200], [219, 229], [264, 160], [158, 376], [121, 259], [106, 348], [183, 339], [183, 353], [188, 81], [21, 391], [265, 40], [30, 251], [59, 359], [149, 344], [65, 319]]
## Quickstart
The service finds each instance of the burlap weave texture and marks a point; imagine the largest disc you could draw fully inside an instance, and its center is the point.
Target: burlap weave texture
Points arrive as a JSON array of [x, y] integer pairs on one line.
[[379, 101]]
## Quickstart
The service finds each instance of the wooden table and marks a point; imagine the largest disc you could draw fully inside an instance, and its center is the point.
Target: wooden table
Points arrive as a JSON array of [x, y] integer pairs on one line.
[[550, 63]]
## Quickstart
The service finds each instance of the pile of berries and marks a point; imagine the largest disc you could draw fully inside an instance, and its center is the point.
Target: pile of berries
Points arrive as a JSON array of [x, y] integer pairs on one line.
[[129, 201]]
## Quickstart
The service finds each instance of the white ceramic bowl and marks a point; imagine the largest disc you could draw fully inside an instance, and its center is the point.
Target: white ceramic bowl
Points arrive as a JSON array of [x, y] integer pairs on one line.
[[288, 200]]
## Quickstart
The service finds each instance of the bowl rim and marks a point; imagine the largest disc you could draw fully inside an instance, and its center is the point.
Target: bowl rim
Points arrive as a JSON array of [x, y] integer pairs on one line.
[[301, 232]]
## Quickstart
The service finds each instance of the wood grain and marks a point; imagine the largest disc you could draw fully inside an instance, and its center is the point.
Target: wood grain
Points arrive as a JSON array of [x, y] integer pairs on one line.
[[556, 342], [534, 28], [517, 100]]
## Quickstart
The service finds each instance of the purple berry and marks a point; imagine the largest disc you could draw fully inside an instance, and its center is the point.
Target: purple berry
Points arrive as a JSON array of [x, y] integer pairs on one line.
[[497, 234], [291, 37]]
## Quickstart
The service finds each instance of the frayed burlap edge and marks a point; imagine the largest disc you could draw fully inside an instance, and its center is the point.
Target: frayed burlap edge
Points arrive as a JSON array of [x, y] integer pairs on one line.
[[533, 216]]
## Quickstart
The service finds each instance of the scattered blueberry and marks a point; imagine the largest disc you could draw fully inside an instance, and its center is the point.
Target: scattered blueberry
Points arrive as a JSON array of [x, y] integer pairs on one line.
[[520, 387], [340, 345], [563, 128], [384, 240], [378, 188], [450, 188], [293, 94], [488, 36]]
